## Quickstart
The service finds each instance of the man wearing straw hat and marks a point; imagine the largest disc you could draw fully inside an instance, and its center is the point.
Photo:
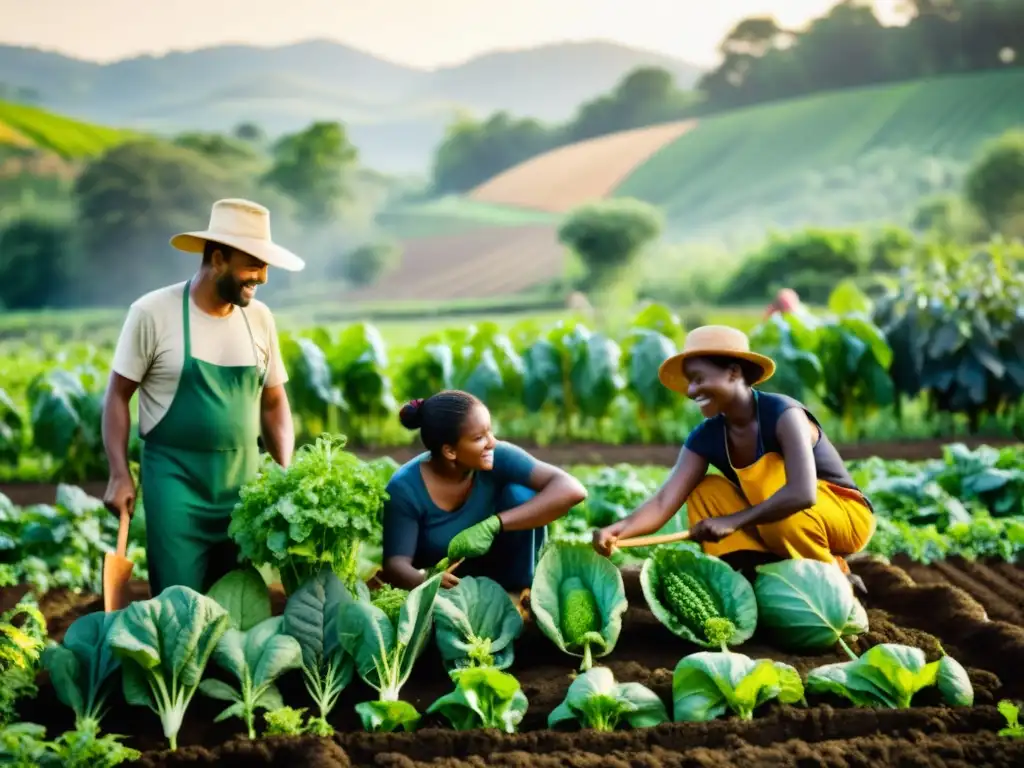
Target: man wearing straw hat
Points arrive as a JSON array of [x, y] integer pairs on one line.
[[783, 491], [204, 356]]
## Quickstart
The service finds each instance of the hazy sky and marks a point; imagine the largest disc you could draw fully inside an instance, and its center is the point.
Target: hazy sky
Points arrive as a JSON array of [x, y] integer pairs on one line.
[[402, 30]]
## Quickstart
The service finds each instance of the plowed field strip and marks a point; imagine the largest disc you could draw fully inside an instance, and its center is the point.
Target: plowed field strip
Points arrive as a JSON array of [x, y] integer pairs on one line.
[[996, 586], [952, 615], [563, 178]]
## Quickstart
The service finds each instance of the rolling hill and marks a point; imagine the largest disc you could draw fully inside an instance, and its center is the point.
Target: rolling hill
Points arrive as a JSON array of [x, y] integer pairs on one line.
[[30, 127], [395, 114], [858, 156]]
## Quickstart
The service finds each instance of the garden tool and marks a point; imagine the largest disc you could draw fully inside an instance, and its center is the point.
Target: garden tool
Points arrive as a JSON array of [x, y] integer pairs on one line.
[[117, 570], [646, 541]]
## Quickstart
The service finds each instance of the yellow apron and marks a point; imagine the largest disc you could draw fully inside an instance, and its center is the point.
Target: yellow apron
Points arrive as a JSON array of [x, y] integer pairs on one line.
[[840, 522]]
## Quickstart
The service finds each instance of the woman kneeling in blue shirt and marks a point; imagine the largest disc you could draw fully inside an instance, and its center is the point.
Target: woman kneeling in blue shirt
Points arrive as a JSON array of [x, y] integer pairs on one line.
[[469, 496]]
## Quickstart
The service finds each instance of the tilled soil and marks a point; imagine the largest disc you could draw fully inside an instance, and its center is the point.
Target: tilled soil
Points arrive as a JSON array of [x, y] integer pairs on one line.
[[998, 586], [828, 733]]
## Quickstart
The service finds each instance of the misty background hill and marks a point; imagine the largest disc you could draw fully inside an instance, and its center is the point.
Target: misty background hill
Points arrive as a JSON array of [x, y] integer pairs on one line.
[[395, 114]]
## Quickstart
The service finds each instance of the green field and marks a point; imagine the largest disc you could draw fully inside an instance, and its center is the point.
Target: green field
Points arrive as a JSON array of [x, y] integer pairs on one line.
[[26, 126], [864, 154], [454, 215]]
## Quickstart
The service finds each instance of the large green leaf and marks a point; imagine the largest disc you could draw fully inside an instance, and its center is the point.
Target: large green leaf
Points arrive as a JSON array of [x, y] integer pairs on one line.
[[11, 430], [476, 617], [560, 561], [244, 595], [807, 603], [646, 353], [732, 593], [595, 375], [542, 378]]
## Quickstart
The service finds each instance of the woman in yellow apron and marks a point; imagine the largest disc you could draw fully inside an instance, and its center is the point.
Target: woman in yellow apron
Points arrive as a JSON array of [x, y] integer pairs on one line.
[[783, 491]]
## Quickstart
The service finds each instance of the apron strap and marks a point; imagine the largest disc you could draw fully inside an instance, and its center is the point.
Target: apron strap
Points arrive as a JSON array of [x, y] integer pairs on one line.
[[188, 335], [255, 351], [185, 321]]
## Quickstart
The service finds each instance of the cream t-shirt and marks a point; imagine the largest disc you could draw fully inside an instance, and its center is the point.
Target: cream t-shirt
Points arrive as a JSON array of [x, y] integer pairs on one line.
[[151, 348]]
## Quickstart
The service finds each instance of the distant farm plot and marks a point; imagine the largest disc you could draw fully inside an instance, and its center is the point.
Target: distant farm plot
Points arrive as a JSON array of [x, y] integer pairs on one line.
[[452, 215], [31, 127], [496, 261], [559, 180], [859, 155]]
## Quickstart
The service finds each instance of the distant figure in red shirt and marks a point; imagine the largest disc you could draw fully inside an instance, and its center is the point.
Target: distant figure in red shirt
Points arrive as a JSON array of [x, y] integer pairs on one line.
[[786, 300]]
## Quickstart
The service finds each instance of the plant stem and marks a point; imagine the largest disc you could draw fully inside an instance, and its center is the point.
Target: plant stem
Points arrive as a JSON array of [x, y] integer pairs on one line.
[[846, 648]]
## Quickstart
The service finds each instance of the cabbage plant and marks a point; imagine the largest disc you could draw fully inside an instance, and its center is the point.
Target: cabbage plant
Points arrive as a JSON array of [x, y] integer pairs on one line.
[[578, 600], [595, 700], [476, 624]]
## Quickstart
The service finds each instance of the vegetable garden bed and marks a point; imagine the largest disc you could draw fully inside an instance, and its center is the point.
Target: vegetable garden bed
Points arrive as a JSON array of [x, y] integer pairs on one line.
[[830, 731], [598, 454]]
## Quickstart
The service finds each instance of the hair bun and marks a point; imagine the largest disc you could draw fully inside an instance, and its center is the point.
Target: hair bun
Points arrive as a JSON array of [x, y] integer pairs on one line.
[[410, 414]]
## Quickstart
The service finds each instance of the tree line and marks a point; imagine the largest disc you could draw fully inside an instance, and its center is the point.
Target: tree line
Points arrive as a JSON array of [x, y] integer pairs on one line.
[[103, 241], [761, 61]]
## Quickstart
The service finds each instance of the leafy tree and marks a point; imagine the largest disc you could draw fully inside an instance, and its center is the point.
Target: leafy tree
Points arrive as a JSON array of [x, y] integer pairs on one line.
[[131, 201], [474, 151], [644, 96], [38, 259], [311, 168], [249, 132], [995, 183], [608, 235], [366, 264]]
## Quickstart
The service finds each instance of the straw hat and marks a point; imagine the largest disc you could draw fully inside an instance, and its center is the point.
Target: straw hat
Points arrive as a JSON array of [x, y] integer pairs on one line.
[[712, 340], [244, 225]]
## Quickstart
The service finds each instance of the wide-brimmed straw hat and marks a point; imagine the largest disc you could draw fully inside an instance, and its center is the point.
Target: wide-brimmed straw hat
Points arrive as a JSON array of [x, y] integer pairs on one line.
[[718, 340], [244, 225]]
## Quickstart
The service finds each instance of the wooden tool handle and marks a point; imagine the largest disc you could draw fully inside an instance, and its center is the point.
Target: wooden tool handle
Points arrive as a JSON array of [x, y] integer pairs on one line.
[[451, 568], [122, 534], [646, 541]]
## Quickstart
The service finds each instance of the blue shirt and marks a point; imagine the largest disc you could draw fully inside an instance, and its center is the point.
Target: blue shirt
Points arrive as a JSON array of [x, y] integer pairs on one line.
[[414, 526]]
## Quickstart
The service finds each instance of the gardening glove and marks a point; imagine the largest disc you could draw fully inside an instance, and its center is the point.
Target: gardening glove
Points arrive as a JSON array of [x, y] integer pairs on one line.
[[475, 540]]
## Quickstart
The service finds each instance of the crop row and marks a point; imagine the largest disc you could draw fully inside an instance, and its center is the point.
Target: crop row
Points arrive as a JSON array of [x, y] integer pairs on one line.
[[944, 346], [331, 632], [968, 503]]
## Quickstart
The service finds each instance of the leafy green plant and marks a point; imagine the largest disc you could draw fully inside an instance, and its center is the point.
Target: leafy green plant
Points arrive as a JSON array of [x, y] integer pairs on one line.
[[706, 684], [81, 668], [284, 721], [888, 675], [577, 565], [312, 616], [12, 430], [484, 697], [476, 624], [808, 604], [699, 597], [21, 648], [164, 644], [389, 599], [65, 408], [385, 652], [313, 515], [1011, 712], [595, 700], [255, 658]]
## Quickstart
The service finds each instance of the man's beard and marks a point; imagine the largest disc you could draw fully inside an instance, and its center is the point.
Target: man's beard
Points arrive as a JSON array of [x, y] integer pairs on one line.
[[230, 289]]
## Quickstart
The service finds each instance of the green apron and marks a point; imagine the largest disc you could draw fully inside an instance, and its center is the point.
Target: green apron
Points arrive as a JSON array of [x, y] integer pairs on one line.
[[194, 462]]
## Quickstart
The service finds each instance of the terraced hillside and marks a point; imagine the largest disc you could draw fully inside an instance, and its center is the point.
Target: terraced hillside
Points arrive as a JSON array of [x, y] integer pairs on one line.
[[865, 154], [32, 128]]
